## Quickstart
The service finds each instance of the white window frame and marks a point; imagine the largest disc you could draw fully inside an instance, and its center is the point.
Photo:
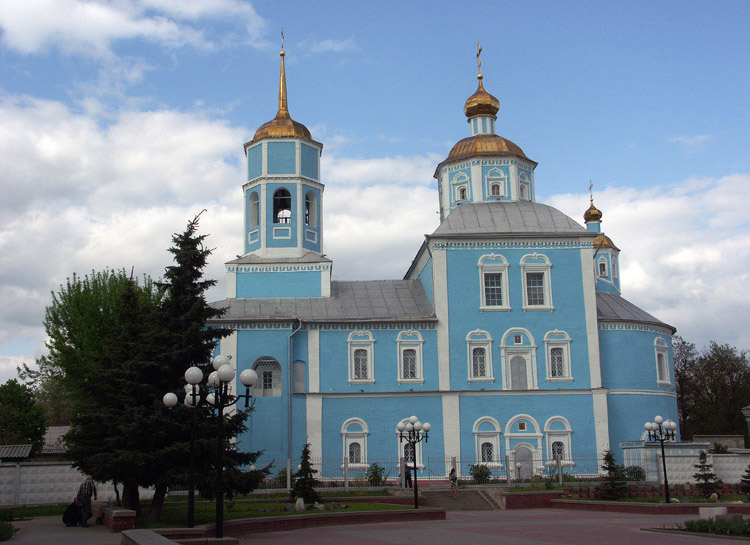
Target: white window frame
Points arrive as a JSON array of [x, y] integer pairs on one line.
[[361, 340], [358, 436], [531, 438], [524, 187], [537, 263], [497, 177], [602, 261], [563, 436], [488, 436], [407, 340], [461, 180], [508, 349], [614, 266], [661, 347], [417, 449], [479, 339], [276, 390], [558, 339], [493, 264]]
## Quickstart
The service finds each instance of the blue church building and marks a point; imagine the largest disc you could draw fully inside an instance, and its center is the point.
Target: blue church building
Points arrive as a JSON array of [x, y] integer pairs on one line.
[[508, 332]]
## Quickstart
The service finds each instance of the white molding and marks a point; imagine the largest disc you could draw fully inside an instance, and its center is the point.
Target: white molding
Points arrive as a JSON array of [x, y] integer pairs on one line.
[[314, 413], [564, 436], [662, 348], [440, 291], [479, 339], [451, 427], [545, 267], [413, 344], [361, 339], [589, 304], [527, 351], [564, 343], [601, 420], [360, 437], [492, 437], [497, 264], [313, 360]]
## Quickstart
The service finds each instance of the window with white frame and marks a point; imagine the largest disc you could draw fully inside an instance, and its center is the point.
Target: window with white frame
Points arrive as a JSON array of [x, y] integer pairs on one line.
[[409, 451], [614, 266], [496, 183], [602, 271], [354, 434], [253, 210], [461, 187], [537, 286], [269, 378], [487, 441], [557, 432], [557, 348], [361, 355], [518, 360], [493, 282], [479, 352], [524, 187], [409, 346], [662, 362]]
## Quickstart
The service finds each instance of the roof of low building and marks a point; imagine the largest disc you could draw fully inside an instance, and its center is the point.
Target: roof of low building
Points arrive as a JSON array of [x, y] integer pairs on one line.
[[510, 219], [252, 259], [611, 307], [14, 452], [363, 301]]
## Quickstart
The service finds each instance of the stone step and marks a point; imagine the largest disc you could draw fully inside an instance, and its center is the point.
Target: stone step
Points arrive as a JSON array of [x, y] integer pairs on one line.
[[467, 499]]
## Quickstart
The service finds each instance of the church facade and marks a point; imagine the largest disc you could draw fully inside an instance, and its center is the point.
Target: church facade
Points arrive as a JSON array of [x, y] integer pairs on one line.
[[508, 332]]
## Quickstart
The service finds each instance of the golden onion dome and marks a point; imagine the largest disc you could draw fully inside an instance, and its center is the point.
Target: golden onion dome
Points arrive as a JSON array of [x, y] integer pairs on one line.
[[282, 125], [481, 103], [593, 213], [603, 241], [484, 144]]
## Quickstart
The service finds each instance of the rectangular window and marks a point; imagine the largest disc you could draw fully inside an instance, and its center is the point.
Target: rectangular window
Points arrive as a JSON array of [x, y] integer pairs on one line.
[[535, 289], [602, 269], [410, 363], [360, 364], [493, 289], [478, 362], [557, 367]]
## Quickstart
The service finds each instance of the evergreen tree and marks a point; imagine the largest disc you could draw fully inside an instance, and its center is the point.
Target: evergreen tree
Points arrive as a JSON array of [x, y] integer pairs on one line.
[[745, 482], [304, 480], [22, 419], [706, 479], [613, 486]]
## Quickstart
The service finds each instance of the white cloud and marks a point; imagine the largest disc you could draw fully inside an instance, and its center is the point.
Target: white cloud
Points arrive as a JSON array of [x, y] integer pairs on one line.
[[328, 46], [691, 143], [383, 170], [90, 27]]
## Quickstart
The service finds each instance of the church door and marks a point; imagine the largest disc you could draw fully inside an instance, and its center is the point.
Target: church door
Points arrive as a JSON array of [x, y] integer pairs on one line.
[[518, 373], [523, 457]]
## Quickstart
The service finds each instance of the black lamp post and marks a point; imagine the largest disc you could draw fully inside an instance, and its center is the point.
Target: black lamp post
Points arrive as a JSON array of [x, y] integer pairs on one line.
[[661, 431], [413, 432], [217, 394]]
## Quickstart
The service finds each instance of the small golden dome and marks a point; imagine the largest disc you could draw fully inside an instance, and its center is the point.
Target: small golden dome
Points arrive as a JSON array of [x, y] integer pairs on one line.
[[481, 103], [603, 241], [592, 214], [282, 125]]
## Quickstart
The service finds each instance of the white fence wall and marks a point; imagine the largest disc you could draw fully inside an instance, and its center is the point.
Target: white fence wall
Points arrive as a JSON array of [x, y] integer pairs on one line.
[[728, 467], [31, 483]]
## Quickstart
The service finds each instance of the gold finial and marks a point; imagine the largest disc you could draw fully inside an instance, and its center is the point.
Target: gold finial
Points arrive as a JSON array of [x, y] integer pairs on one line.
[[479, 60], [282, 81]]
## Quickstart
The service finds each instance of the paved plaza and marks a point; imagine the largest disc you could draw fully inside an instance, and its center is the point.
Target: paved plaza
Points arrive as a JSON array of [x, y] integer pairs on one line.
[[518, 527]]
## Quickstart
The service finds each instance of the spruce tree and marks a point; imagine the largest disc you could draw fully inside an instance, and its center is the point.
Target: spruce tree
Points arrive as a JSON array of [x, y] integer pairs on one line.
[[613, 486], [305, 481], [706, 479]]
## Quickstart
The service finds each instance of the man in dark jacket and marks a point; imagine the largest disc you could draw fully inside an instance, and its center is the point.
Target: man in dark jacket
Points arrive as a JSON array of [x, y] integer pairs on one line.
[[86, 490]]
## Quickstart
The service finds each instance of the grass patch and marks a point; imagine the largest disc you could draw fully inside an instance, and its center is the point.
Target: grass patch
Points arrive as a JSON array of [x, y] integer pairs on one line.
[[176, 515], [21, 513], [719, 527], [6, 530]]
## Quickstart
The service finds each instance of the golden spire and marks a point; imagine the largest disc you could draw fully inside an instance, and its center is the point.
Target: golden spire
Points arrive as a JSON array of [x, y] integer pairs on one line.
[[481, 102], [479, 61], [283, 109]]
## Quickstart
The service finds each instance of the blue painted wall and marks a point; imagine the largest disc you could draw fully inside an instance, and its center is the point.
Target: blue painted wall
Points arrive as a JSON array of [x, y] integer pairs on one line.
[[309, 161], [426, 278], [629, 360], [255, 161], [267, 284], [281, 158], [628, 413]]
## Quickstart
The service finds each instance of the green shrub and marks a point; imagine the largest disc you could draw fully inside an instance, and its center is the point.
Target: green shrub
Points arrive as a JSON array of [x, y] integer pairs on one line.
[[635, 473], [6, 530], [613, 486], [726, 527], [706, 480], [375, 475], [480, 473], [6, 515]]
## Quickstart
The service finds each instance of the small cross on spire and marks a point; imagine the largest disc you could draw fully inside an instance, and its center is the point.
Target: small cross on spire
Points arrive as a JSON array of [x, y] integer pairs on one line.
[[479, 57]]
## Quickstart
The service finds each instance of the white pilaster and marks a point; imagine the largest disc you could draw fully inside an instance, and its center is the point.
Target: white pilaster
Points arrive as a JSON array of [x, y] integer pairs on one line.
[[592, 326], [315, 425], [451, 428], [231, 284], [601, 420], [476, 183], [300, 213], [440, 282], [313, 360], [262, 204]]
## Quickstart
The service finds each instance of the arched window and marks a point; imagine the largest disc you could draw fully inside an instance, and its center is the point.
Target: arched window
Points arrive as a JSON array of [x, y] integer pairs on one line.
[[487, 452], [518, 360], [496, 183], [558, 450], [269, 378], [361, 354], [462, 194], [311, 209], [354, 432], [409, 346], [487, 441], [557, 433], [479, 345], [253, 209], [662, 362], [282, 206], [557, 345]]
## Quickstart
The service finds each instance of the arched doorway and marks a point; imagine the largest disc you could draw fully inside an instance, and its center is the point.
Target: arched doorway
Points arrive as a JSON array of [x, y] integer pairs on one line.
[[522, 455], [518, 380]]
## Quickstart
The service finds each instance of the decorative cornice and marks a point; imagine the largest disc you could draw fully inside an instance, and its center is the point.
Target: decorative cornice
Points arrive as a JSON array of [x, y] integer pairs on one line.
[[317, 267], [510, 245], [633, 326]]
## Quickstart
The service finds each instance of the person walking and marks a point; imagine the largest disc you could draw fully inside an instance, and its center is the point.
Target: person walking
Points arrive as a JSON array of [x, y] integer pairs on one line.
[[85, 492], [453, 478]]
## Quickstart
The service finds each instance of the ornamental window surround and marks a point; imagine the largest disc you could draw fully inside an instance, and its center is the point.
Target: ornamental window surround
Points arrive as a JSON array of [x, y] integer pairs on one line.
[[493, 283], [487, 442], [354, 432], [557, 433], [460, 187], [269, 378], [529, 436], [311, 209], [524, 187], [536, 278], [614, 266], [602, 267], [253, 210], [479, 356], [557, 351], [518, 360], [661, 351], [496, 183], [361, 355], [410, 365]]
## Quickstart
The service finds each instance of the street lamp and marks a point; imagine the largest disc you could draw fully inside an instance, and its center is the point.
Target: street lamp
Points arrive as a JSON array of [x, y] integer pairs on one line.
[[518, 470], [413, 431], [661, 430], [217, 394]]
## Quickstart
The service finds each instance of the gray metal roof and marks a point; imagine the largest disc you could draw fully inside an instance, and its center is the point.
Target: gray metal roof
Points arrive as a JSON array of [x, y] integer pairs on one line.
[[509, 218], [372, 300], [309, 257], [611, 307], [14, 452]]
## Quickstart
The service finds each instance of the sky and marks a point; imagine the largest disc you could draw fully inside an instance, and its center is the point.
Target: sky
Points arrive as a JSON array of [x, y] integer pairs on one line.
[[121, 120]]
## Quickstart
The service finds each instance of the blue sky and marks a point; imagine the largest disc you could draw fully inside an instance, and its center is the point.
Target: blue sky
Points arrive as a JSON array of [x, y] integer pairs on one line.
[[120, 120]]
